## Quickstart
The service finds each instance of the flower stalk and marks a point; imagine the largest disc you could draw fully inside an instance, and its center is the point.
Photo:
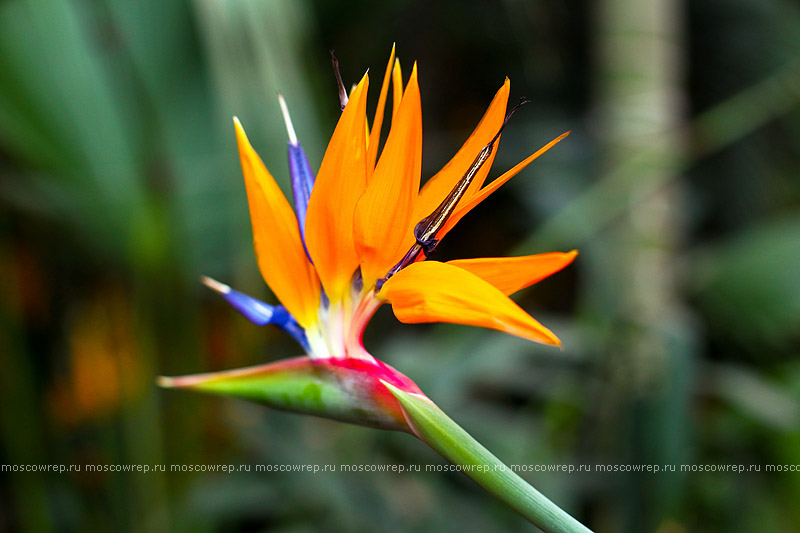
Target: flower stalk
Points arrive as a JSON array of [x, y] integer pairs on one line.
[[441, 433]]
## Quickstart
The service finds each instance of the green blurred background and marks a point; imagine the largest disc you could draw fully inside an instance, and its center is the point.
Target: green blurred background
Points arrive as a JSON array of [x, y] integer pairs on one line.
[[120, 186]]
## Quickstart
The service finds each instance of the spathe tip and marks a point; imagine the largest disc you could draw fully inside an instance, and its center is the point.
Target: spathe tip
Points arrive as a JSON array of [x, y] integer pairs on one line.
[[165, 382], [183, 382]]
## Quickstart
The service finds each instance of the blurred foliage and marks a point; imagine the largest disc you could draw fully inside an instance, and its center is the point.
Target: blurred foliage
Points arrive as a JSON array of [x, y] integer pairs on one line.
[[119, 186]]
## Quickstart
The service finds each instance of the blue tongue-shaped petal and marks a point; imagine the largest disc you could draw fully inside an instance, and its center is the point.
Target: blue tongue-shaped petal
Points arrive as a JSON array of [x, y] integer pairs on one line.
[[258, 312], [299, 170]]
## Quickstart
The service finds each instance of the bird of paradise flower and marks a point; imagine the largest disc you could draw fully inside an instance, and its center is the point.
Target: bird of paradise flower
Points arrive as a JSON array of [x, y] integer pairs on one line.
[[359, 237]]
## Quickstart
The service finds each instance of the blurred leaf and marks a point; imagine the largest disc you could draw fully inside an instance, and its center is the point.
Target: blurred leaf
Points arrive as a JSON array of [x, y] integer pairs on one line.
[[749, 286], [758, 397], [61, 113]]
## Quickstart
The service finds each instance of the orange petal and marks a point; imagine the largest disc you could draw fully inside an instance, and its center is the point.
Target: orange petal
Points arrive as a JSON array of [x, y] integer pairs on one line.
[[375, 135], [437, 292], [440, 185], [383, 219], [511, 274], [397, 87], [341, 180], [467, 204], [276, 238]]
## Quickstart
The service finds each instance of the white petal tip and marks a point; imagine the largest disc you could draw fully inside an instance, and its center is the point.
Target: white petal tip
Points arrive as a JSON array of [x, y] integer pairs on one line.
[[287, 120], [215, 285]]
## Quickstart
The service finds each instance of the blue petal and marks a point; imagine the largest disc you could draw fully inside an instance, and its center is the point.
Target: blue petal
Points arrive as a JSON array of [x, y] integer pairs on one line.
[[302, 183], [260, 313], [299, 170]]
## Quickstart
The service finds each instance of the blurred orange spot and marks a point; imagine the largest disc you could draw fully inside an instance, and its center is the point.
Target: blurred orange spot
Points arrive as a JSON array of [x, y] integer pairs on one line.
[[104, 368]]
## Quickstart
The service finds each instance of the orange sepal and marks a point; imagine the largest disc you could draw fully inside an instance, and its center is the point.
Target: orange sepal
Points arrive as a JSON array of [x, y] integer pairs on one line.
[[468, 203], [374, 137], [397, 87], [511, 274], [340, 182], [384, 214], [440, 185], [437, 292], [276, 238]]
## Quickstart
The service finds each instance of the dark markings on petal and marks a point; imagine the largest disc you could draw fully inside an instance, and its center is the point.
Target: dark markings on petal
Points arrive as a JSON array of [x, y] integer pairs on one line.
[[342, 91], [426, 229]]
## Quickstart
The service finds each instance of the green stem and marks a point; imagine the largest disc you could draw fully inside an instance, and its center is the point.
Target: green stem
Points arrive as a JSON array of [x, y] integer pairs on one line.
[[442, 434]]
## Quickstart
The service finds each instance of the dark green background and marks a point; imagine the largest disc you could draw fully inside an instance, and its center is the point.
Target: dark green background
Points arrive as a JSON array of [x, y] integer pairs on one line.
[[120, 186]]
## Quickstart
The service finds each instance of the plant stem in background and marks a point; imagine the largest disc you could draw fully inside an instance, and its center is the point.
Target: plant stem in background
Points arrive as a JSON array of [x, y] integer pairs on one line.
[[640, 103]]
